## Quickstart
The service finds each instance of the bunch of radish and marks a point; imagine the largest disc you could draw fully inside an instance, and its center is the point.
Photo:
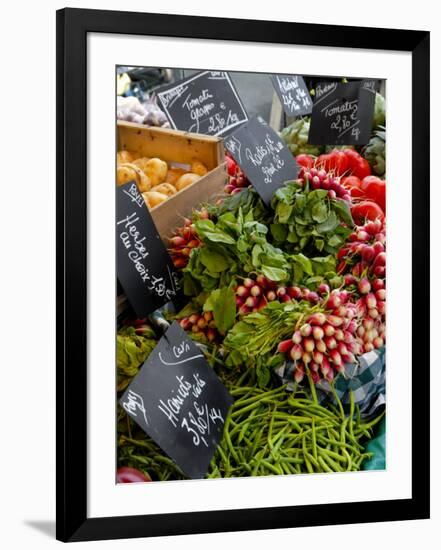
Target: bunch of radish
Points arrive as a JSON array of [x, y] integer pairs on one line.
[[185, 238], [236, 177], [321, 179], [365, 251], [325, 340], [255, 292], [371, 310], [202, 323]]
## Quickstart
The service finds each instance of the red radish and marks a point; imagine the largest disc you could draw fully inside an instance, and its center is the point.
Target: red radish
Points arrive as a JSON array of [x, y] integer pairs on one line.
[[368, 253], [281, 291], [380, 259], [251, 301], [285, 346], [342, 349], [271, 296], [339, 334], [318, 357], [317, 319], [317, 333], [306, 329], [262, 281], [379, 270], [364, 286], [299, 375], [325, 367], [211, 334], [242, 291], [296, 352], [308, 344], [368, 323], [202, 323], [297, 337], [247, 282], [333, 302], [335, 357], [335, 321], [378, 284], [370, 300], [321, 346], [255, 290], [294, 292], [323, 288], [374, 313], [243, 310], [329, 330], [381, 307], [313, 297], [126, 474], [378, 342], [381, 294], [348, 337], [331, 342], [306, 358]]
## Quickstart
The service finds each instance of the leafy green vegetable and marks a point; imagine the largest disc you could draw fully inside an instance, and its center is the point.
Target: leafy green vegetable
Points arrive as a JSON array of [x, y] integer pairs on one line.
[[132, 350], [222, 302]]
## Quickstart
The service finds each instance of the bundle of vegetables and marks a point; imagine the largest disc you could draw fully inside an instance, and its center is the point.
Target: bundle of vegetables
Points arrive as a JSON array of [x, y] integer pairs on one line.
[[375, 151], [237, 179], [184, 239], [339, 162], [296, 138], [309, 220], [133, 345]]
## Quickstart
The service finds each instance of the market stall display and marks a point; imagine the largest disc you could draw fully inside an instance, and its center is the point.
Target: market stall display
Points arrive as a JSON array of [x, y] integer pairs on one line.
[[284, 296]]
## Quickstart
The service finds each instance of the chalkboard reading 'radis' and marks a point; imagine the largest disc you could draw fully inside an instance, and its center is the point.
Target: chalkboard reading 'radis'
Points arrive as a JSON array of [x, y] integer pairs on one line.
[[263, 156], [293, 94], [342, 114], [205, 103], [144, 267], [178, 400]]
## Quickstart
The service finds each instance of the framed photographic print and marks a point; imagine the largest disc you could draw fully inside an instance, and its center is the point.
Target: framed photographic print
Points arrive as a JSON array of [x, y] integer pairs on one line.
[[225, 333]]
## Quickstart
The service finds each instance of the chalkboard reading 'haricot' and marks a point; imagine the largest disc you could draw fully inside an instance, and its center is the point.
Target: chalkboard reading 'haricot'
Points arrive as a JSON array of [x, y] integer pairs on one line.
[[293, 94], [144, 267], [342, 114], [178, 400], [263, 156], [205, 103]]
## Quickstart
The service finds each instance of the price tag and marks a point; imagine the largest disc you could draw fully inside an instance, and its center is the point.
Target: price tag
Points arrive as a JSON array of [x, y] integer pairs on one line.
[[342, 114], [205, 103], [263, 156], [178, 400], [144, 267], [293, 94]]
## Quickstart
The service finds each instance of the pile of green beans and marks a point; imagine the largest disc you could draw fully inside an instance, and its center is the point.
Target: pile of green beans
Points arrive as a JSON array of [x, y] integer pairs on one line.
[[267, 432], [274, 432]]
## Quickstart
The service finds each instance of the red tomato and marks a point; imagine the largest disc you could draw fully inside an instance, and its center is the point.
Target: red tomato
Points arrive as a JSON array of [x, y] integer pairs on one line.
[[361, 169], [366, 210], [125, 474], [351, 181], [305, 160], [375, 190], [338, 163]]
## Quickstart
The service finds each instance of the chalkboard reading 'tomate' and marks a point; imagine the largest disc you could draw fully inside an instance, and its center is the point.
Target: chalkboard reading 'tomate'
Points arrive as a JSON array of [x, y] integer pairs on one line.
[[263, 156], [144, 267], [342, 114], [205, 103], [293, 94], [178, 400]]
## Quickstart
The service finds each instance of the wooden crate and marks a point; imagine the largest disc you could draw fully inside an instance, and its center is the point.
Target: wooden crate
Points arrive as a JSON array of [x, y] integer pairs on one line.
[[179, 147]]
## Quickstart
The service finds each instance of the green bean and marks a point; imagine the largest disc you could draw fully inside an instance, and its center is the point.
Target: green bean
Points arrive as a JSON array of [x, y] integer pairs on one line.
[[323, 464]]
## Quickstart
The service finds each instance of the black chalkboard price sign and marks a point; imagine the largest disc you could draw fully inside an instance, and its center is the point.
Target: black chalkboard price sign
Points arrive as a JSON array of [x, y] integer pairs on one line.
[[144, 267], [263, 156], [293, 94], [205, 103], [178, 400], [342, 114]]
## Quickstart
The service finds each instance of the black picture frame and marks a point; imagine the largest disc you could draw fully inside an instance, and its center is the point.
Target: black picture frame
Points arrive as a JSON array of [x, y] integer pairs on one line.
[[71, 509]]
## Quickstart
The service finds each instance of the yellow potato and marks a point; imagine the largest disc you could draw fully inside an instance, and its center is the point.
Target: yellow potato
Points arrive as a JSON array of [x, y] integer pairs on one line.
[[141, 163], [153, 198], [174, 174], [143, 182], [186, 180], [156, 170], [198, 168], [124, 174], [126, 156], [165, 188]]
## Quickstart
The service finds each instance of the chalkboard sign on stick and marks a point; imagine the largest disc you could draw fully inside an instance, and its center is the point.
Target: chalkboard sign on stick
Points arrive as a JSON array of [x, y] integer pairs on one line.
[[263, 156], [205, 103], [293, 94], [342, 114], [178, 400], [144, 267]]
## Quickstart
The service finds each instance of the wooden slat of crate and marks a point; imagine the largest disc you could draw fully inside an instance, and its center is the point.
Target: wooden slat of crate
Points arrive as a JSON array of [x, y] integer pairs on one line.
[[170, 145]]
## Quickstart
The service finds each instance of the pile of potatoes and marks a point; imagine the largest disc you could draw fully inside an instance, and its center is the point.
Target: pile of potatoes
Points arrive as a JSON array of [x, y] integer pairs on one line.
[[156, 180]]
